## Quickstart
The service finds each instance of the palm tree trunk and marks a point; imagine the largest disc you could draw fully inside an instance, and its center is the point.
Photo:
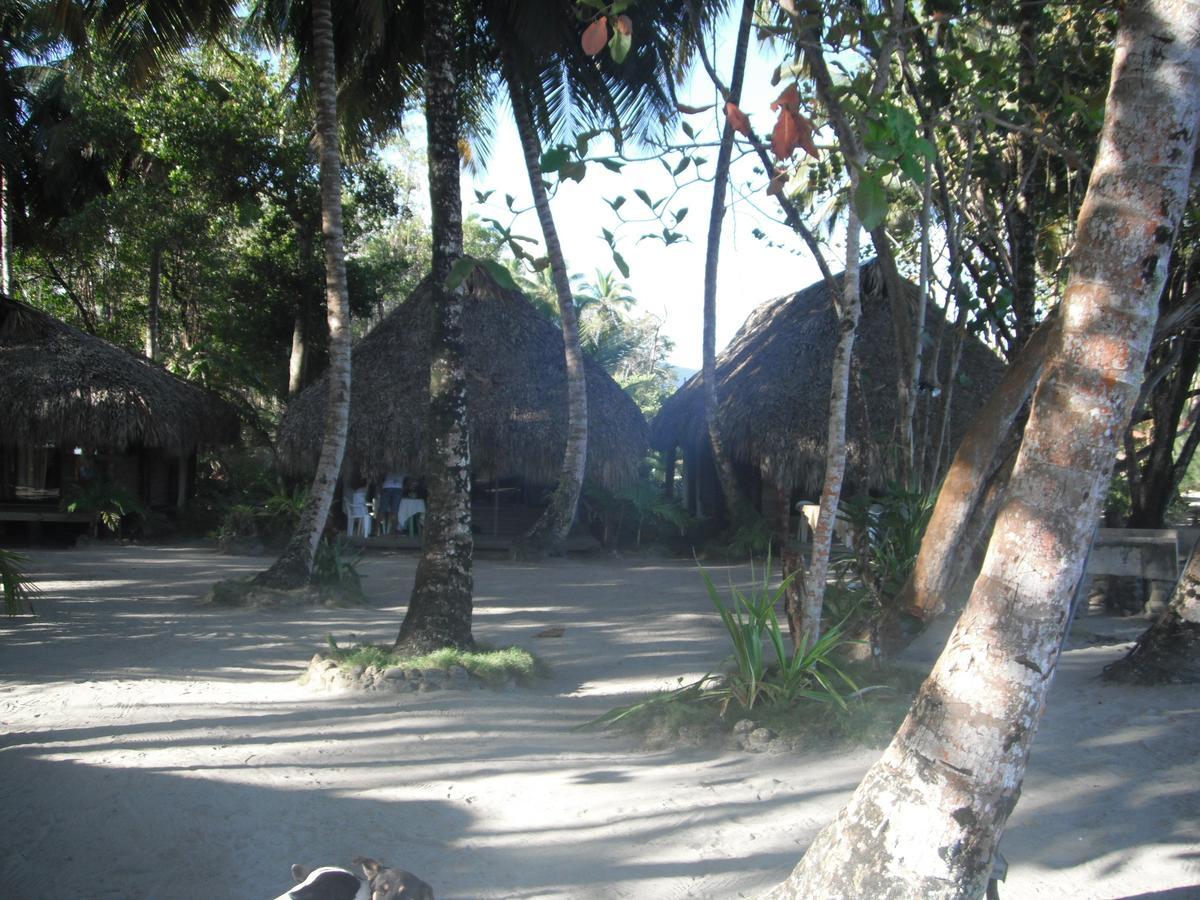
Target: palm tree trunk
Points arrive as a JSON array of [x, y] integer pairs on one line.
[[926, 819], [549, 533], [737, 505], [439, 610], [5, 237], [294, 567]]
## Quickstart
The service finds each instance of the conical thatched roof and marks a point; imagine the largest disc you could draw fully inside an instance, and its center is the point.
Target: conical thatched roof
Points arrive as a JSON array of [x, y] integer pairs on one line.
[[773, 389], [516, 396], [60, 385]]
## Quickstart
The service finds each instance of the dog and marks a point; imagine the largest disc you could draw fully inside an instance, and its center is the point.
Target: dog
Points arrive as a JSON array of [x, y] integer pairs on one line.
[[332, 883]]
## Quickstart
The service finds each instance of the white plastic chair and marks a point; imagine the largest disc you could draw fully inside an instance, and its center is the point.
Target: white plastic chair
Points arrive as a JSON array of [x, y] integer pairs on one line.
[[358, 517]]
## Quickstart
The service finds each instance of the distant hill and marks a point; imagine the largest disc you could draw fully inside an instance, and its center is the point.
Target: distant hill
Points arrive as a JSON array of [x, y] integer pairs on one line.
[[682, 374]]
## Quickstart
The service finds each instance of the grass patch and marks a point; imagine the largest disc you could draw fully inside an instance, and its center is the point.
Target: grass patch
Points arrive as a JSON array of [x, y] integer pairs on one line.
[[689, 714], [489, 664]]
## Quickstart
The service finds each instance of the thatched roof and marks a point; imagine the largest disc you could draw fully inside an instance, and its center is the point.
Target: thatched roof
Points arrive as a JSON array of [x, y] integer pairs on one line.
[[773, 389], [60, 385], [516, 396]]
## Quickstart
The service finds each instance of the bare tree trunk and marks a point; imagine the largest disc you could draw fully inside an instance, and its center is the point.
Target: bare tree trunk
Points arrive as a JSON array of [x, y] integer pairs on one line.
[[294, 566], [153, 300], [939, 561], [549, 533], [735, 502], [5, 237], [440, 608], [1168, 652], [926, 818], [849, 310]]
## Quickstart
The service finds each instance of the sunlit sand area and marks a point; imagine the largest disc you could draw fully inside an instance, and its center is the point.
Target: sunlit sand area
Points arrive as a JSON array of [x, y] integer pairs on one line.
[[155, 748]]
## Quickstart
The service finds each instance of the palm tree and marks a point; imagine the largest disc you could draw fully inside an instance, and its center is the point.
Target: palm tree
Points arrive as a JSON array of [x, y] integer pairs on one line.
[[294, 566], [539, 52], [440, 607]]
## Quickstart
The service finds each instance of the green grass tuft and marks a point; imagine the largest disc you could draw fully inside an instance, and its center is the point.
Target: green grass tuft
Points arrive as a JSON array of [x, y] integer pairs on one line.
[[491, 665]]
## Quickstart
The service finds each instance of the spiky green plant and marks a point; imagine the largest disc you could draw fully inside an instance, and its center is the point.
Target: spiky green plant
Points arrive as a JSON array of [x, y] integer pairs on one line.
[[19, 589]]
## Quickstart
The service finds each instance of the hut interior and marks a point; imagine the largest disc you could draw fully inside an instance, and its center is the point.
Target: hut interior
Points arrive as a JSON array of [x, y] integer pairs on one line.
[[81, 416], [516, 406]]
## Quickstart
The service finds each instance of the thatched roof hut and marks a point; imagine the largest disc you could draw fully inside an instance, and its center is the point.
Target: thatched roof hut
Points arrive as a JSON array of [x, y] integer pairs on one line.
[[62, 386], [516, 397], [773, 389]]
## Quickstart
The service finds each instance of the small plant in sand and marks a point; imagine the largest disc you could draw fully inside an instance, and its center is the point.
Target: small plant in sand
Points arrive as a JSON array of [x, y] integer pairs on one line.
[[489, 664], [19, 589], [335, 565], [764, 673]]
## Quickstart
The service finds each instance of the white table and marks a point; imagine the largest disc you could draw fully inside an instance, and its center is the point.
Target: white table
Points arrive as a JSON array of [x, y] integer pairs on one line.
[[409, 507]]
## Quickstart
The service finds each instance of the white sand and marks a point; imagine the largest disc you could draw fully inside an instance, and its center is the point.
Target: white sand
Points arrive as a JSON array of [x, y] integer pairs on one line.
[[152, 748]]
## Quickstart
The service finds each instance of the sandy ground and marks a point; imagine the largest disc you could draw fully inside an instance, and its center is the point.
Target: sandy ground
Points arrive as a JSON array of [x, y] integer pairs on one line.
[[153, 748]]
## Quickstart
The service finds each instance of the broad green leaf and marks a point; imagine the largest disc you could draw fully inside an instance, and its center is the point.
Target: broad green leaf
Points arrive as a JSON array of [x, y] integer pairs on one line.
[[688, 129], [612, 165], [644, 197], [554, 159], [622, 266], [501, 274], [618, 45], [683, 164], [575, 171], [463, 267], [870, 201]]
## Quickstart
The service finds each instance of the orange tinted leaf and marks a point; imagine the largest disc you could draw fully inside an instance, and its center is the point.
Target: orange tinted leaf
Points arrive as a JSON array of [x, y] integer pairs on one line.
[[689, 110], [625, 25], [737, 119], [789, 99], [785, 137], [595, 37], [806, 136]]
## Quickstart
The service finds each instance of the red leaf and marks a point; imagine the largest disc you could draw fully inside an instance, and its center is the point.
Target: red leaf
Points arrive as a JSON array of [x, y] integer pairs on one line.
[[806, 136], [625, 25], [692, 110], [789, 99], [737, 119], [595, 37], [785, 137]]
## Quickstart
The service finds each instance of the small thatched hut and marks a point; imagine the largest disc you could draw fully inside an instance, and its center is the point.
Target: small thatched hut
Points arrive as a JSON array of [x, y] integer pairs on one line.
[[516, 398], [72, 405], [773, 389]]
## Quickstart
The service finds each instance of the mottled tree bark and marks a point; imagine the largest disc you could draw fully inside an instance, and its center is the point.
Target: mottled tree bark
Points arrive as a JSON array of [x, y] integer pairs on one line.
[[849, 311], [294, 566], [735, 502], [5, 237], [548, 534], [942, 549], [926, 819], [440, 608]]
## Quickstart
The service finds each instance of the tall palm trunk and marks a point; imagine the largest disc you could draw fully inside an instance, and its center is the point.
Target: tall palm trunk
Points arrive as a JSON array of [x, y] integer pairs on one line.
[[549, 533], [294, 567], [926, 818], [735, 502], [153, 302], [439, 610], [5, 237]]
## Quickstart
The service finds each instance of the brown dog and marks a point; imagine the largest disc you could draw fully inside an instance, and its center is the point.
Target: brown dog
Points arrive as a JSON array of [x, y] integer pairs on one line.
[[332, 883]]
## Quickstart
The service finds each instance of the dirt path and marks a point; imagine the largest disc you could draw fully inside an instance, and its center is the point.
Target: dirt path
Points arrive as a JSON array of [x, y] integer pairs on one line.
[[152, 748]]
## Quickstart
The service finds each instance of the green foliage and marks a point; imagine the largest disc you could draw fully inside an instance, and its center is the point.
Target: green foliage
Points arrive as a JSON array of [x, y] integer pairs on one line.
[[808, 673], [491, 665], [335, 564], [887, 536], [19, 589], [110, 504], [635, 511]]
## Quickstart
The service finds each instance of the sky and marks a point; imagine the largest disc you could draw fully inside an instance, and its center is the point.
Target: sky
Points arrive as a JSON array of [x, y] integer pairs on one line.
[[668, 281]]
